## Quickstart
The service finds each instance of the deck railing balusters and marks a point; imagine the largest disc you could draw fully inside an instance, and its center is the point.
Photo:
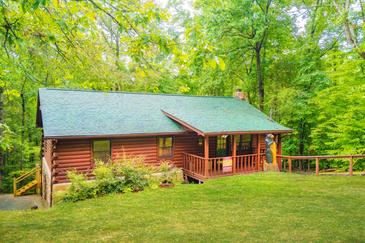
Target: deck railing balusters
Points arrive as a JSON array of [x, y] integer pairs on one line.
[[196, 164]]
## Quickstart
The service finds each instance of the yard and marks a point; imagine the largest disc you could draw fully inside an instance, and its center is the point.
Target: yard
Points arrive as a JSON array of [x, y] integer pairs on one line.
[[256, 207]]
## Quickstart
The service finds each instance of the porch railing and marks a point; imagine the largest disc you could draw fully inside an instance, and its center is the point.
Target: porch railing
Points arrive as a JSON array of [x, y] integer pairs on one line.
[[246, 163], [195, 165]]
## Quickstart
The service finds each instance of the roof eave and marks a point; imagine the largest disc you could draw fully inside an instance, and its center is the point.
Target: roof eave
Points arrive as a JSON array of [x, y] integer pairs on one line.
[[184, 124], [247, 132], [107, 136]]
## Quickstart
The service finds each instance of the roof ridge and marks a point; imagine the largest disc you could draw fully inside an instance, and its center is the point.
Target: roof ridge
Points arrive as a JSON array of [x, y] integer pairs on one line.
[[130, 92]]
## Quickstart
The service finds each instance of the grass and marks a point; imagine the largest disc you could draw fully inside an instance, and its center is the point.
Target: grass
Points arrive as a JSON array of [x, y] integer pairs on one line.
[[256, 207]]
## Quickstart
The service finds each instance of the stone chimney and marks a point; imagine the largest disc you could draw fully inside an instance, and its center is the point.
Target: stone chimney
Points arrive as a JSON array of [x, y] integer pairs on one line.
[[239, 94]]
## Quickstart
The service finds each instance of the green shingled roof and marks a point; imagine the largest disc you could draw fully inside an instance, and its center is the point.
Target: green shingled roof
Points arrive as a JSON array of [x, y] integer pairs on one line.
[[96, 113]]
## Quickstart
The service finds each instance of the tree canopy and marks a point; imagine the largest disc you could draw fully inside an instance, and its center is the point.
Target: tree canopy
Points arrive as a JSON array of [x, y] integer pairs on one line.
[[301, 62]]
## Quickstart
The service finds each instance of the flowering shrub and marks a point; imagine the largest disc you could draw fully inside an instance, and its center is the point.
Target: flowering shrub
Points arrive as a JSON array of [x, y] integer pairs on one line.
[[128, 174]]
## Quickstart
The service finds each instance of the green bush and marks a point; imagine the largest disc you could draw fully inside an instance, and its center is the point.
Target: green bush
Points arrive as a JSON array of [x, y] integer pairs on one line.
[[167, 173], [80, 188], [128, 174], [134, 172], [106, 180]]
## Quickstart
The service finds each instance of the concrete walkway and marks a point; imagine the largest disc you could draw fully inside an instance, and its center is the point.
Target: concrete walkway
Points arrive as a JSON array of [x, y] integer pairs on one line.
[[9, 202]]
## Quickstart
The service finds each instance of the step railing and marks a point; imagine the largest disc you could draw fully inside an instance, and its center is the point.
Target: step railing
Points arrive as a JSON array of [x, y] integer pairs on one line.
[[35, 172]]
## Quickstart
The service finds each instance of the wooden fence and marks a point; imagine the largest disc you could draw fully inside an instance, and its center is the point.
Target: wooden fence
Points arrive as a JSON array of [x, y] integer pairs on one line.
[[317, 158]]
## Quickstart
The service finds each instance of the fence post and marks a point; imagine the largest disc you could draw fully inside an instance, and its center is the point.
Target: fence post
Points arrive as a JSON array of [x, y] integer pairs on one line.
[[351, 163], [289, 164], [14, 186], [317, 166]]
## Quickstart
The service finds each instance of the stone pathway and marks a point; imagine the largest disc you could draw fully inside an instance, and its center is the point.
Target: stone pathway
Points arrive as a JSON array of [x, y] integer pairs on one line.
[[9, 202]]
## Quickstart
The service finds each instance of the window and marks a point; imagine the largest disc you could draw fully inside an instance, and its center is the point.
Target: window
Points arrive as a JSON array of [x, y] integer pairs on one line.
[[101, 150], [200, 141], [165, 147], [244, 143], [222, 145]]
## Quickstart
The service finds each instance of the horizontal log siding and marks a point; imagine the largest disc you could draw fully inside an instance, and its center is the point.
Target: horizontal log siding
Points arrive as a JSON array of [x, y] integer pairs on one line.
[[147, 147], [77, 154], [143, 146], [185, 144], [71, 155]]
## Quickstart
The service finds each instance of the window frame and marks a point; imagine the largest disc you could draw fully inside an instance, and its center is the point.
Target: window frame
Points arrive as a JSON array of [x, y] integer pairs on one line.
[[224, 142], [241, 145], [93, 149], [171, 155], [200, 141]]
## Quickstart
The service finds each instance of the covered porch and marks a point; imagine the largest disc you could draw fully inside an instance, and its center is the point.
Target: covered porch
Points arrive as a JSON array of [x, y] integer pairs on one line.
[[225, 154], [232, 137]]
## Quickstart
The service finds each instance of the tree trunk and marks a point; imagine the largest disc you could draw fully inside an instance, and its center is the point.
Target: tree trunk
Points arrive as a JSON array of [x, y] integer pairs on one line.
[[23, 130], [350, 32], [301, 145], [1, 134], [117, 48], [260, 77]]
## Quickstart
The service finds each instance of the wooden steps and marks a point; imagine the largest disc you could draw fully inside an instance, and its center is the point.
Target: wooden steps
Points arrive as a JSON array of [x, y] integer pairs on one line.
[[26, 188], [34, 176]]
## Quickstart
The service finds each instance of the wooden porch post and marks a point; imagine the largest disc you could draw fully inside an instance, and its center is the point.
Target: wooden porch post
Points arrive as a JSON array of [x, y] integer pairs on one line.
[[234, 153], [279, 152], [206, 155], [258, 152]]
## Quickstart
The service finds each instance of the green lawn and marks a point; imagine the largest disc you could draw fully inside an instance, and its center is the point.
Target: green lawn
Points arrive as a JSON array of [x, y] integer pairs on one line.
[[256, 207]]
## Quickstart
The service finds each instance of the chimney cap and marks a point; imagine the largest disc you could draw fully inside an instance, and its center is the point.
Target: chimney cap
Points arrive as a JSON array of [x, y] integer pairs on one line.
[[240, 95]]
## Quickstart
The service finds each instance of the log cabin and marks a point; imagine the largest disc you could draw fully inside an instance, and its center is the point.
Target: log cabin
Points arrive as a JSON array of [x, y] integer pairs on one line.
[[206, 136]]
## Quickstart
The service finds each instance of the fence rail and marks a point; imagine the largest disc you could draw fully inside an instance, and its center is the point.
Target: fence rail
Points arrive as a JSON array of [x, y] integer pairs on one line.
[[317, 158]]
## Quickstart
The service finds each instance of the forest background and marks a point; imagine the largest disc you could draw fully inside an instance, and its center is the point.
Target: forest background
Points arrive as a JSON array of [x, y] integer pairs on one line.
[[300, 62]]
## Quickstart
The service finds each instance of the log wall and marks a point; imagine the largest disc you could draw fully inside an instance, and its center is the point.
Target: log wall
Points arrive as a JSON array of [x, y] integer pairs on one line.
[[71, 155], [77, 154]]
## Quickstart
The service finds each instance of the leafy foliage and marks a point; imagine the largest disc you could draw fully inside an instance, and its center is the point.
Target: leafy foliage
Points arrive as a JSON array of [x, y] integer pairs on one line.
[[114, 177], [129, 174], [302, 62]]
